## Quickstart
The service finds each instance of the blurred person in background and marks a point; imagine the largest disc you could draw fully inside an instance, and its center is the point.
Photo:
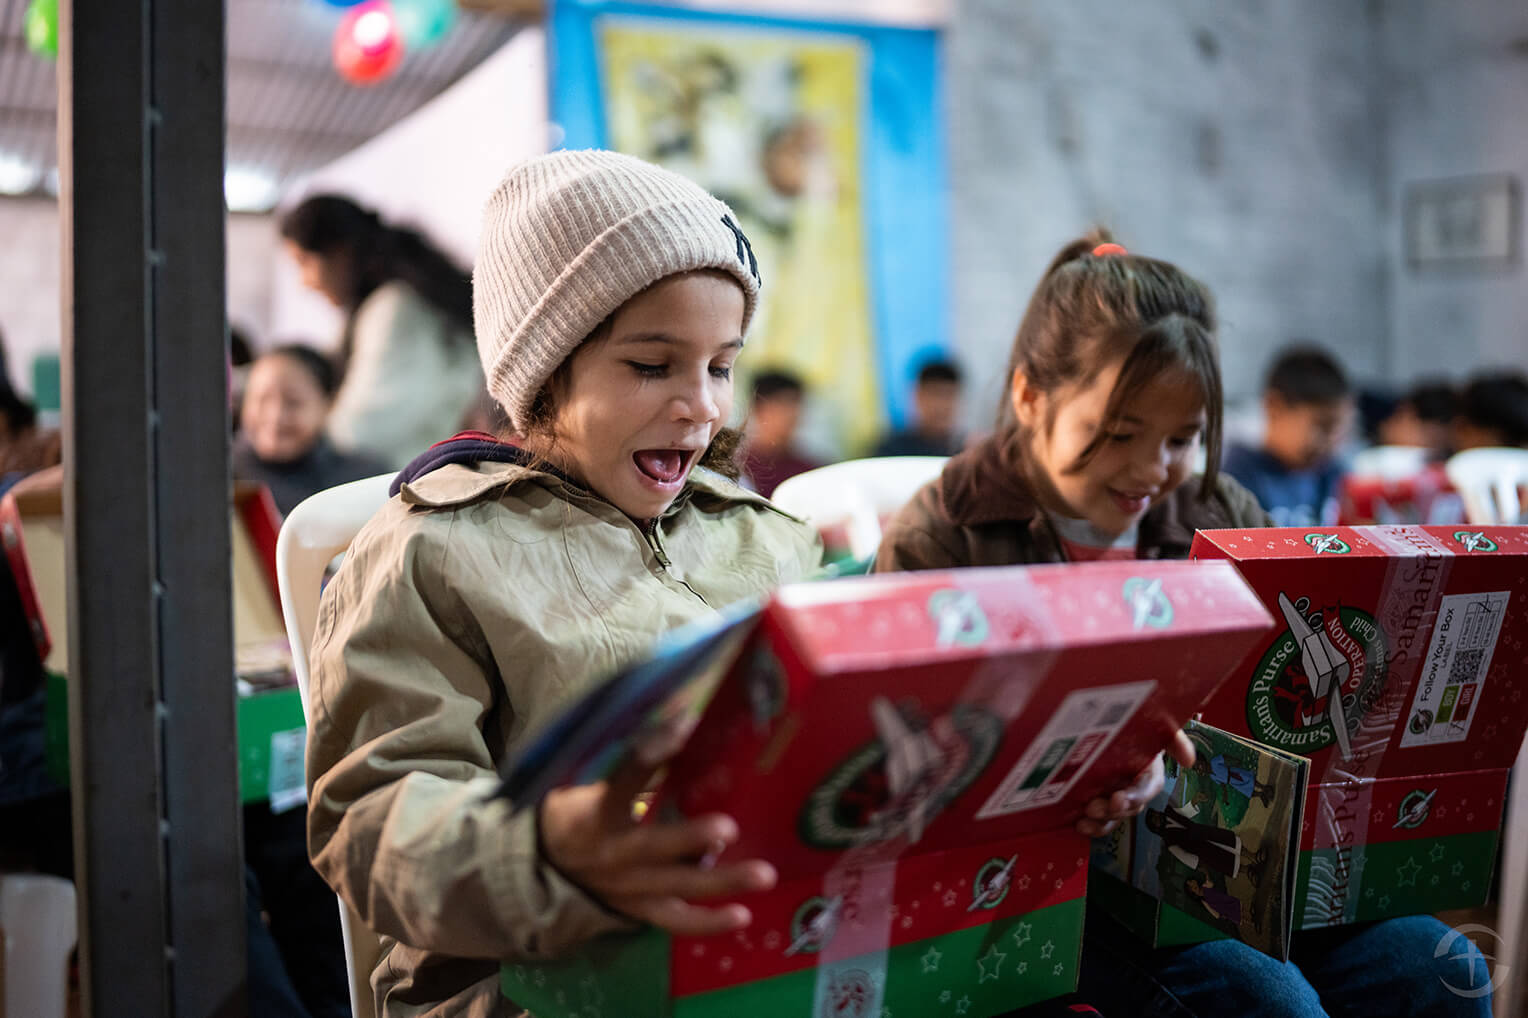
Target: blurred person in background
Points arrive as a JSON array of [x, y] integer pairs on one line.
[[1493, 411], [281, 442], [769, 450], [936, 415], [407, 365], [1308, 408], [1422, 418], [24, 447]]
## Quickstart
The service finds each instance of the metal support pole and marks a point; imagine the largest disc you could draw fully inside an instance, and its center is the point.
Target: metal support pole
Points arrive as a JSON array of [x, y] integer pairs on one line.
[[146, 504]]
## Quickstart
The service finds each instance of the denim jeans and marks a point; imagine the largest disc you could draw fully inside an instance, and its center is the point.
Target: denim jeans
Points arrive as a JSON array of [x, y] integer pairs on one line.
[[1389, 968]]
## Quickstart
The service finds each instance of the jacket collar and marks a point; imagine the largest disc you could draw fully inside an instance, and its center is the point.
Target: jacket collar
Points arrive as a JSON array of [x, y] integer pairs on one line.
[[985, 485]]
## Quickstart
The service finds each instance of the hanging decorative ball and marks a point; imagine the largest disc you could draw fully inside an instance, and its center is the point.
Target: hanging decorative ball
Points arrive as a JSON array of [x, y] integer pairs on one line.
[[424, 22], [367, 44], [40, 26]]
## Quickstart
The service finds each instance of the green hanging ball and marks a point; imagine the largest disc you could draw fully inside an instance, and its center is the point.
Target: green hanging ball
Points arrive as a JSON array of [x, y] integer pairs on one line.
[[424, 22], [41, 28]]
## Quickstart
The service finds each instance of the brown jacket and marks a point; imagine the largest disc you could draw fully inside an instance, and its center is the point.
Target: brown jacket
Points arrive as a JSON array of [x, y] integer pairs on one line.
[[980, 512], [469, 612]]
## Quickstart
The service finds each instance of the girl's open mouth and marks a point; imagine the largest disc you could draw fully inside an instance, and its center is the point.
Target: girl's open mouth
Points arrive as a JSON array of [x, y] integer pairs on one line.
[[663, 466]]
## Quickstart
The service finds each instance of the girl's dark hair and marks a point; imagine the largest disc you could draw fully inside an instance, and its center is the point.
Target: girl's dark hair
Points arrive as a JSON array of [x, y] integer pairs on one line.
[[333, 226], [1089, 311], [318, 367]]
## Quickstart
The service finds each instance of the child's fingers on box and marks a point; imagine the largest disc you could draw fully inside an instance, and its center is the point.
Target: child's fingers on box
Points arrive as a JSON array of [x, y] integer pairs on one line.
[[691, 882], [687, 839], [686, 920]]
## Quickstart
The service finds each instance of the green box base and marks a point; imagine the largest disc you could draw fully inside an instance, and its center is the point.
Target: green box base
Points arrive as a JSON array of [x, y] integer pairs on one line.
[[258, 717], [978, 972]]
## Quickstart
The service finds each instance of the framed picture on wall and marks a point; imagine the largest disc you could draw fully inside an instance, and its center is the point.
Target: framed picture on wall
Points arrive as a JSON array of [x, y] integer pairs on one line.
[[1468, 222]]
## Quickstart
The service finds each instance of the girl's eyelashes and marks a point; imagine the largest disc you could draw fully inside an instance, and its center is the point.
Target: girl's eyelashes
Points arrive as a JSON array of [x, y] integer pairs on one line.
[[644, 370], [1121, 437]]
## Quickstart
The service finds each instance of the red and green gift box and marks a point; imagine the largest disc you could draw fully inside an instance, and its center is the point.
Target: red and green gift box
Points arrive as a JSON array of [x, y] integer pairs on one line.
[[270, 728], [911, 752], [1399, 665]]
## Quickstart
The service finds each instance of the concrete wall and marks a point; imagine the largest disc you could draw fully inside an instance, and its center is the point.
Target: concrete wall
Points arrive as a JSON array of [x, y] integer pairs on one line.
[[1242, 141], [1456, 90]]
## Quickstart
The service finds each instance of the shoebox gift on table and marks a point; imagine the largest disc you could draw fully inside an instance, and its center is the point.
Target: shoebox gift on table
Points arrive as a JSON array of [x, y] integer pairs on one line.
[[1399, 668], [911, 753], [269, 712]]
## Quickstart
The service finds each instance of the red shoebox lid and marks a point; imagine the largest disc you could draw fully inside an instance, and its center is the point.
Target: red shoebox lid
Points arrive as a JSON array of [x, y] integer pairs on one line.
[[1416, 636], [915, 713]]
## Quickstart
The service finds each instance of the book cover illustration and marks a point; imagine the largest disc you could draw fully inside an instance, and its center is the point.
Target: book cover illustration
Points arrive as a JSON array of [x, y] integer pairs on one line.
[[1221, 842]]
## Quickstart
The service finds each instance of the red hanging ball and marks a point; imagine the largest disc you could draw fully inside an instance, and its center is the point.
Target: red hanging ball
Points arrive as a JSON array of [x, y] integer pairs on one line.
[[367, 44]]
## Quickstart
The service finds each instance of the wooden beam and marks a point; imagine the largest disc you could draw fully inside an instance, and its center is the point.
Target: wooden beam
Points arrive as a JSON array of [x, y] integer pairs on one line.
[[531, 10]]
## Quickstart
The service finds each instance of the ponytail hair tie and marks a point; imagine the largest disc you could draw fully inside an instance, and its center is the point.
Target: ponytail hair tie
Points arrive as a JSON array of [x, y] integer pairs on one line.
[[1108, 249]]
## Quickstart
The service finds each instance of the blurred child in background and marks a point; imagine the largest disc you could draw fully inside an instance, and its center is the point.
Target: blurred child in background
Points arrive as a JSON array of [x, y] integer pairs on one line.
[[281, 442], [1422, 419], [1308, 407], [769, 453], [935, 429], [1493, 411]]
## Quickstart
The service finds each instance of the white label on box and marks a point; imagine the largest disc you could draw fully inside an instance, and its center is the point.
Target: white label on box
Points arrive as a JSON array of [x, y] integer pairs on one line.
[[1079, 730], [1453, 674], [286, 784]]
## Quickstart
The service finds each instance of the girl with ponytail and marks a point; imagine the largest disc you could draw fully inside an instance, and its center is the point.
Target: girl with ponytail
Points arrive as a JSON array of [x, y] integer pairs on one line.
[[1113, 386]]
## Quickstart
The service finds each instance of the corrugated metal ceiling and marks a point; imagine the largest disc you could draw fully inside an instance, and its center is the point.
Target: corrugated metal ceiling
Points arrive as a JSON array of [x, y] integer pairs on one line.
[[289, 112]]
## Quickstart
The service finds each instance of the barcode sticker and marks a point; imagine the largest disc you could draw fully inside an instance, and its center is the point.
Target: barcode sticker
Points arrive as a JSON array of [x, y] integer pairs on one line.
[[1453, 676], [286, 783], [1072, 739]]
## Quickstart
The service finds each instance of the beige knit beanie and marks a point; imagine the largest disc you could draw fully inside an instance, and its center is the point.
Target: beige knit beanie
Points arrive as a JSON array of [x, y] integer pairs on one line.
[[571, 236]]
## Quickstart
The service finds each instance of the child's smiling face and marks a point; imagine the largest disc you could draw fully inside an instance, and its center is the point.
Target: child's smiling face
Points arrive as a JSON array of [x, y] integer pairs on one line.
[[1146, 453], [643, 400]]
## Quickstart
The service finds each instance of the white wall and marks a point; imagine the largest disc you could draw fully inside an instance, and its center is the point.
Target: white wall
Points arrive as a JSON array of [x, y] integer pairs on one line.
[[432, 170], [1457, 92]]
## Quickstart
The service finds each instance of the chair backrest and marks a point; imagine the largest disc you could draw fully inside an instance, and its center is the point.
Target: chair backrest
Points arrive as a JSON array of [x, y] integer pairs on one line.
[[858, 493], [38, 924], [1389, 462], [1490, 482], [320, 528]]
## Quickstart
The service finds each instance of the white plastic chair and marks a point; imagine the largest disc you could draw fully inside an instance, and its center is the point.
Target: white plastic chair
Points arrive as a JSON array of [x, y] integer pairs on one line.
[[38, 925], [1489, 481], [859, 493], [1389, 462], [320, 528]]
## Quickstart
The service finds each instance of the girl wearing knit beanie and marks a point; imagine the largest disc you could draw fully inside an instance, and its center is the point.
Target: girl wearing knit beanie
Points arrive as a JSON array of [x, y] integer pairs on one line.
[[611, 302]]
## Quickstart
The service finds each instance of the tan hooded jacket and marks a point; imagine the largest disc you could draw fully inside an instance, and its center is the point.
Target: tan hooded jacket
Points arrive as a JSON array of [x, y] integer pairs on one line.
[[467, 613]]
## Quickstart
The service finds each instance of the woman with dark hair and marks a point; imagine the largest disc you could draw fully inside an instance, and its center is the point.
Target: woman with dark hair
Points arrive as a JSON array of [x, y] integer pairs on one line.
[[407, 364]]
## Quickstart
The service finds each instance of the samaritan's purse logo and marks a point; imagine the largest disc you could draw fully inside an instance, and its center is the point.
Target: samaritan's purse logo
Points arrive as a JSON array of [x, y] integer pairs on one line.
[[1414, 809], [1319, 677], [1148, 604], [1327, 544], [1474, 540], [897, 783]]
